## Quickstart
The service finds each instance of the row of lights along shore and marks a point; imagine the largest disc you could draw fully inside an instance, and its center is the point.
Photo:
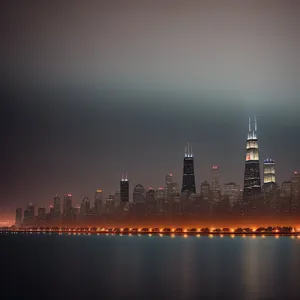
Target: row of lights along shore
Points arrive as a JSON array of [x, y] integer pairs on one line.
[[167, 231]]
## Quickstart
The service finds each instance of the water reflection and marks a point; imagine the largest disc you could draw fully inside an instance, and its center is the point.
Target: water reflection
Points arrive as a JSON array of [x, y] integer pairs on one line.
[[132, 267]]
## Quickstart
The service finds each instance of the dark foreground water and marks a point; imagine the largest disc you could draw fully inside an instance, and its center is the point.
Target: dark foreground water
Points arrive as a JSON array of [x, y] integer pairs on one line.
[[124, 267]]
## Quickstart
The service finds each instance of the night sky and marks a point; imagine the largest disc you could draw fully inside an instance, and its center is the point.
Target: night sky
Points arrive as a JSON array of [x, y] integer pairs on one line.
[[96, 88]]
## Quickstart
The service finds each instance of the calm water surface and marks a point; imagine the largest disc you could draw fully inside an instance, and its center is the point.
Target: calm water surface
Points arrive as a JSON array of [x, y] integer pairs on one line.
[[124, 267]]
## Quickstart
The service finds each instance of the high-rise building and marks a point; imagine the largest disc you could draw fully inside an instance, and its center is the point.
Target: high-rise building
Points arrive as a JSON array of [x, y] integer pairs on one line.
[[41, 213], [215, 185], [252, 184], [205, 192], [29, 213], [109, 204], [85, 207], [160, 193], [57, 208], [286, 189], [150, 201], [168, 185], [124, 189], [51, 213], [295, 185], [67, 206], [49, 217], [117, 197], [98, 200], [232, 191], [269, 171], [139, 194], [19, 216], [188, 178], [270, 187], [168, 178]]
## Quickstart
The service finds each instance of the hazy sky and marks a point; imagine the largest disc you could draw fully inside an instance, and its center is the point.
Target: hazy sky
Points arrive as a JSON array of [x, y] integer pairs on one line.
[[97, 88]]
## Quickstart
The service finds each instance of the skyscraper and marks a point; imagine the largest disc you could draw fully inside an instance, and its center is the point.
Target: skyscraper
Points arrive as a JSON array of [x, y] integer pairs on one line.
[[85, 207], [98, 200], [29, 213], [124, 189], [270, 186], [150, 201], [252, 184], [56, 205], [67, 207], [188, 178], [232, 191], [41, 213], [286, 189], [168, 178], [139, 194], [295, 187], [215, 185], [269, 171], [205, 192]]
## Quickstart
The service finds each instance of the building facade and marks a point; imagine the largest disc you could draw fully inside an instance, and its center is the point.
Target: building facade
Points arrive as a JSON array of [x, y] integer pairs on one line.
[[188, 178], [252, 182]]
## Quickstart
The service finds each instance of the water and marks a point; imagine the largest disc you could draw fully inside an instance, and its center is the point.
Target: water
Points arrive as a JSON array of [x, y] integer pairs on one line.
[[123, 267]]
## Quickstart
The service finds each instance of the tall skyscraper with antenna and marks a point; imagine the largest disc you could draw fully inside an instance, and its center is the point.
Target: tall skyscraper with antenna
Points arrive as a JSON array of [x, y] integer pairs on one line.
[[252, 183], [124, 189], [188, 179]]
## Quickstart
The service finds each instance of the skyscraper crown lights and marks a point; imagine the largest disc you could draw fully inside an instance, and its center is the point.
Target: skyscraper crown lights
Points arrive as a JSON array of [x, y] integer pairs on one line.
[[252, 133], [188, 151]]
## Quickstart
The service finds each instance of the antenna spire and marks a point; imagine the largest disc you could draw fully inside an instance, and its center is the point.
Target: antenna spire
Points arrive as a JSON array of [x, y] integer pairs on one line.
[[249, 124], [126, 179], [255, 126], [188, 149], [191, 150]]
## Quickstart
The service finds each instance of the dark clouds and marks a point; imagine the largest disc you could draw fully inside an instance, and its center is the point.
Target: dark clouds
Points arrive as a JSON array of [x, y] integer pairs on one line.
[[99, 88]]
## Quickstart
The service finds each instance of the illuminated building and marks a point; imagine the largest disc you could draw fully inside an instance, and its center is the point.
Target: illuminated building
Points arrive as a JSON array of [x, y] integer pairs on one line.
[[57, 208], [215, 185], [270, 186], [295, 185], [205, 192], [41, 213], [188, 178], [98, 200], [232, 191], [286, 189], [160, 193], [269, 171], [168, 178], [19, 216], [252, 184], [124, 190]]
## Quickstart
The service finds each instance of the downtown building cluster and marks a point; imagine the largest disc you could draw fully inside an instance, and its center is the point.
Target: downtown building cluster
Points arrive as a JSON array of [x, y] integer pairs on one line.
[[174, 201]]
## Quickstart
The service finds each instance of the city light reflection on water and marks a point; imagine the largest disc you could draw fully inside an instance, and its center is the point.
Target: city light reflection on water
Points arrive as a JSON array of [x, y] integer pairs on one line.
[[158, 268]]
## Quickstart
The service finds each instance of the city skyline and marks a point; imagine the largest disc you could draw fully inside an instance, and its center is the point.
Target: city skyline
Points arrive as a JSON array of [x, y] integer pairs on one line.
[[128, 191], [106, 88], [189, 153]]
